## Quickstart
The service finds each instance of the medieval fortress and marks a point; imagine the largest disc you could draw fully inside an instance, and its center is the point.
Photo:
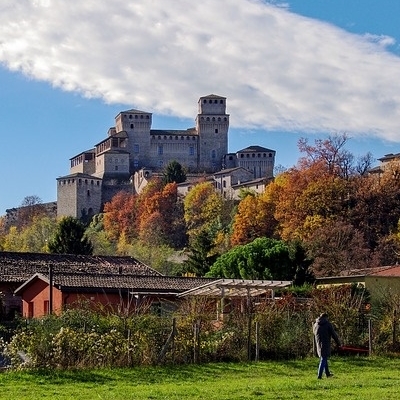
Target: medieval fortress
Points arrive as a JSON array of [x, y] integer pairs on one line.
[[133, 150]]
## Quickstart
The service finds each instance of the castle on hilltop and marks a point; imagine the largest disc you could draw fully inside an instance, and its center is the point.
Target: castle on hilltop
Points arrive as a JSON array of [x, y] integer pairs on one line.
[[132, 148]]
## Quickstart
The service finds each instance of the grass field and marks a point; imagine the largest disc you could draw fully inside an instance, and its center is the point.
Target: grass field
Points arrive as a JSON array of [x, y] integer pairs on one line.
[[355, 378]]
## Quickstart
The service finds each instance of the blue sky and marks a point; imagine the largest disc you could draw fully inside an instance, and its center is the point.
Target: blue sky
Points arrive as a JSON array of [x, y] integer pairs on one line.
[[289, 69]]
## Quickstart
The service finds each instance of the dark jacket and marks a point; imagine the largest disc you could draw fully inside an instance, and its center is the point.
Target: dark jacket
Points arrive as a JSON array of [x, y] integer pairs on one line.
[[323, 333]]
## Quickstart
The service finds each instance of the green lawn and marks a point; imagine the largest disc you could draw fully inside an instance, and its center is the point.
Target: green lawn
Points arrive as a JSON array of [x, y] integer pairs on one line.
[[355, 378]]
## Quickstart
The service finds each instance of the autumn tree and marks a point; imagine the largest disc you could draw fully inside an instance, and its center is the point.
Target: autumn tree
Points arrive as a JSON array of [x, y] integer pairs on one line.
[[161, 218], [70, 238], [254, 218], [98, 237], [330, 152], [337, 246], [120, 216], [32, 238], [30, 207], [202, 209]]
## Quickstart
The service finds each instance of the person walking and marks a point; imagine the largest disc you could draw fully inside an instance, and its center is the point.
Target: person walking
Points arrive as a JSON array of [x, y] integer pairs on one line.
[[323, 334]]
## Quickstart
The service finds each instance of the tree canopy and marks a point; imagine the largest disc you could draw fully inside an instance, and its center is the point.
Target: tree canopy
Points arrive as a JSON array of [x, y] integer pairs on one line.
[[70, 238]]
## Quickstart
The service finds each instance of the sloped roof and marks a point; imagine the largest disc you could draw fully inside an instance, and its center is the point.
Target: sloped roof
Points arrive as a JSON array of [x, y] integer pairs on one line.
[[90, 282], [255, 149], [390, 271], [18, 267], [228, 171]]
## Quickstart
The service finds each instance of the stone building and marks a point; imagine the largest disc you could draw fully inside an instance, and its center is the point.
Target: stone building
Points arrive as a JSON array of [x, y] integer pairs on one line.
[[132, 151]]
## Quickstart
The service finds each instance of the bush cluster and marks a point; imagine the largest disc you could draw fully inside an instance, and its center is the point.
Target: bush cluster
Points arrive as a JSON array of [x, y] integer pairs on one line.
[[81, 337]]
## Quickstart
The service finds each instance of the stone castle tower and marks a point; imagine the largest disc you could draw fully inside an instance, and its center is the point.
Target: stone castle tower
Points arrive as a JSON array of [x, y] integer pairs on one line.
[[96, 175]]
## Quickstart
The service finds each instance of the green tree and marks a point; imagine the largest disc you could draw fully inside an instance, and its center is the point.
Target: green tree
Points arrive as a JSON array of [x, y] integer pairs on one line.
[[70, 238], [263, 258], [174, 173], [201, 256]]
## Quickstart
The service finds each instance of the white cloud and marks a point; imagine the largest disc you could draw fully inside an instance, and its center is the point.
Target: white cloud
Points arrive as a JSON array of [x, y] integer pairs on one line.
[[279, 70]]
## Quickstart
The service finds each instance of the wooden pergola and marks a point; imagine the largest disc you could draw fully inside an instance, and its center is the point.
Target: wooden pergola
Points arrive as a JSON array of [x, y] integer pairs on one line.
[[236, 288]]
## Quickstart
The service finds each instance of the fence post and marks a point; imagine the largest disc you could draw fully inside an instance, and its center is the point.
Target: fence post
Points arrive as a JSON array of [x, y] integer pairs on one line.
[[394, 330], [196, 347], [257, 356], [370, 336]]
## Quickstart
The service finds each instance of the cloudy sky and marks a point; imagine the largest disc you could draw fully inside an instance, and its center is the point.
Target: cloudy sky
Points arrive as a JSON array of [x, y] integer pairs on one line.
[[289, 69]]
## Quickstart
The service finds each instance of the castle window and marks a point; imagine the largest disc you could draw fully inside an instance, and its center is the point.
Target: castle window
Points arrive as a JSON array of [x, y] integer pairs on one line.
[[215, 101], [270, 154], [216, 130], [264, 155], [213, 154], [130, 116], [213, 118], [210, 101], [79, 180], [136, 117], [224, 184], [221, 102], [136, 148], [116, 167], [88, 193], [204, 101], [193, 138], [160, 163], [159, 137], [208, 118], [219, 118], [202, 118], [136, 163], [131, 126], [91, 182], [258, 155], [191, 150], [247, 155], [225, 119], [98, 183], [242, 155], [160, 150], [253, 155], [141, 117], [230, 158], [147, 117]]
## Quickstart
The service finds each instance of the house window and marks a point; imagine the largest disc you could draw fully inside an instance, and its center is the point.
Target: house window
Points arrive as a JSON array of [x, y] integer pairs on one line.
[[46, 307]]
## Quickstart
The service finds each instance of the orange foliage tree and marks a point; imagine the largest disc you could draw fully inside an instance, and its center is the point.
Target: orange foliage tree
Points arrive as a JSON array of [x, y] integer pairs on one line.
[[120, 216]]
